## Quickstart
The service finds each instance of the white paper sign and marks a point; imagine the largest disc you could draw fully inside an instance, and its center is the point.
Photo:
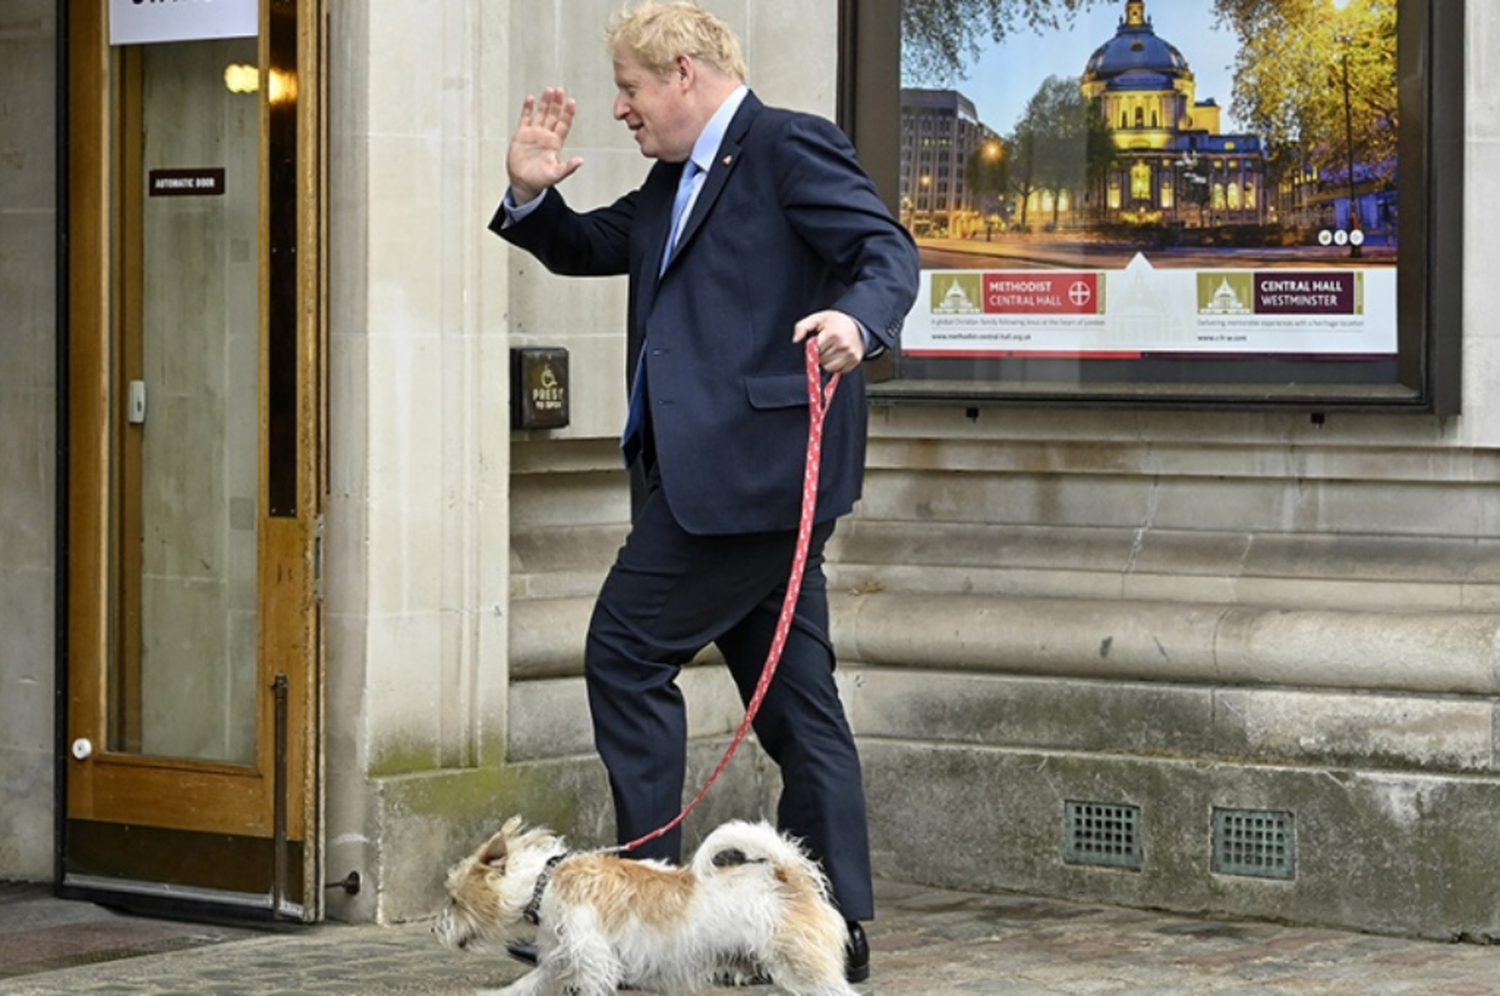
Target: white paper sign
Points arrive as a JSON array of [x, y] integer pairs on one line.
[[139, 22]]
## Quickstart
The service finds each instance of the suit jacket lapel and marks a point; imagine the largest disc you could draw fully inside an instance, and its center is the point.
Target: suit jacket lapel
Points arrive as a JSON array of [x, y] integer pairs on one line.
[[661, 220], [654, 206]]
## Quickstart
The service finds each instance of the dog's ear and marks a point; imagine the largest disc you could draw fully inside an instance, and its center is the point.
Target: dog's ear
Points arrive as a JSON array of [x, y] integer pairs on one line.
[[495, 851], [499, 845]]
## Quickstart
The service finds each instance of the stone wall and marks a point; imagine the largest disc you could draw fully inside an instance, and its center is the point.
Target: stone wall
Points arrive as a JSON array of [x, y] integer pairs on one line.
[[1182, 641], [28, 444]]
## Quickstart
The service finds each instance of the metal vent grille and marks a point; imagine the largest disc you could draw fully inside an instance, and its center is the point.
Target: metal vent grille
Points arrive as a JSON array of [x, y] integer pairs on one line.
[[1102, 834], [1256, 842]]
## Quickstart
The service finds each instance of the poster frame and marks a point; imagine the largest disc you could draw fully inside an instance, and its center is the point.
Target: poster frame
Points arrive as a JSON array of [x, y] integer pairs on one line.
[[1429, 322]]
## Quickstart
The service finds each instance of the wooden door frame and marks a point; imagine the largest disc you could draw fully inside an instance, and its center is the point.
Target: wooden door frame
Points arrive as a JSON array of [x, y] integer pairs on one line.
[[290, 653]]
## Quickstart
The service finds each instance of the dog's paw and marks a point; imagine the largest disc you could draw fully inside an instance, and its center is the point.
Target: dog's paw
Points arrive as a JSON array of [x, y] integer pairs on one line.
[[736, 978]]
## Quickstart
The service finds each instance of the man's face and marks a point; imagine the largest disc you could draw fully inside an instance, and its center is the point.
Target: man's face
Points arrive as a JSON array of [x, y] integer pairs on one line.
[[656, 108]]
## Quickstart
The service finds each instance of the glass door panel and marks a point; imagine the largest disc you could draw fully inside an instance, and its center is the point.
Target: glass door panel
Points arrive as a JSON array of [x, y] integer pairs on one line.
[[186, 684]]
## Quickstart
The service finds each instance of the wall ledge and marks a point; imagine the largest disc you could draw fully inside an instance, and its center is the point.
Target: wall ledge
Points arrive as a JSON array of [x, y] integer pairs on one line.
[[1198, 643]]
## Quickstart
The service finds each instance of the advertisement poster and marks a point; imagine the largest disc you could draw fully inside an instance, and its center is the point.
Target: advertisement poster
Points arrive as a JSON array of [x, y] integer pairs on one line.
[[1130, 178]]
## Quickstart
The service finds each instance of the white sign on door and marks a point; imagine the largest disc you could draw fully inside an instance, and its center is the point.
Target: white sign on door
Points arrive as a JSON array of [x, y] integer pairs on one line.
[[139, 22]]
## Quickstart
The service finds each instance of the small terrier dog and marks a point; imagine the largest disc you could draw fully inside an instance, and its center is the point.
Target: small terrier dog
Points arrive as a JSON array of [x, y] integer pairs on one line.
[[750, 897]]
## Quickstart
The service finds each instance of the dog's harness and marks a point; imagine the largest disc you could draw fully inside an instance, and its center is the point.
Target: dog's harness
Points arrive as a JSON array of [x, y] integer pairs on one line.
[[532, 914]]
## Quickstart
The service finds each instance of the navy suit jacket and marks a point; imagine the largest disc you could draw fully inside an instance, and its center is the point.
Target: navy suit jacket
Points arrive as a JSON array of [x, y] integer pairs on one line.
[[786, 224]]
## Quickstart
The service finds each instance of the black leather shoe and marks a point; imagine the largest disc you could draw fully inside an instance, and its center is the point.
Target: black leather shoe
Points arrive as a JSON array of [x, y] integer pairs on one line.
[[856, 954]]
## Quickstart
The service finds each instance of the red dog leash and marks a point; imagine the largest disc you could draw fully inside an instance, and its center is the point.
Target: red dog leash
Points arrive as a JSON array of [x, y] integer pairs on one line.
[[818, 399]]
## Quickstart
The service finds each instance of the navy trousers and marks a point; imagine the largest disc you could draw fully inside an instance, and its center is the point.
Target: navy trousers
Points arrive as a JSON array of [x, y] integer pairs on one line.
[[669, 595]]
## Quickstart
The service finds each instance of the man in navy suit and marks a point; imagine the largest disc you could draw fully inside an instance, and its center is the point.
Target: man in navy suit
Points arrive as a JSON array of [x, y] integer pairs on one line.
[[755, 228]]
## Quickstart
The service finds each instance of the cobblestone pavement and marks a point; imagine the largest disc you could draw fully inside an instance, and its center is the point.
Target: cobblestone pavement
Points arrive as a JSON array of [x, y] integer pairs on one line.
[[926, 943]]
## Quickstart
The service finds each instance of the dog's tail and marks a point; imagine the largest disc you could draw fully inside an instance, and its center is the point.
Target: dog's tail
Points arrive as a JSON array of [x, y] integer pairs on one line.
[[799, 936], [738, 843]]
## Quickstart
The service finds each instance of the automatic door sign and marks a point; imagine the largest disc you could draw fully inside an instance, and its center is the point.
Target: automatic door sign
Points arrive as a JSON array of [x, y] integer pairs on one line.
[[185, 182]]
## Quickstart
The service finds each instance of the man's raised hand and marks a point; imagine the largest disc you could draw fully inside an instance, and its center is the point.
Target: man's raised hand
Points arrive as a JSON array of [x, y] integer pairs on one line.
[[535, 159]]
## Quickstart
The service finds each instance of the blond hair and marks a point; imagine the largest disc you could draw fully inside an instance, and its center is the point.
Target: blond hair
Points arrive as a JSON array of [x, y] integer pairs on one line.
[[658, 31]]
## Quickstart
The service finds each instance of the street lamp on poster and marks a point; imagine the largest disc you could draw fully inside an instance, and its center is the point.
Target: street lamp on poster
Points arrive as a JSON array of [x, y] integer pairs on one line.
[[992, 154], [1346, 42]]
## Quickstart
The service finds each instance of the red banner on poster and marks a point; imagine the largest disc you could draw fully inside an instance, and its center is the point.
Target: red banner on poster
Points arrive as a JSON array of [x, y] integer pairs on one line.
[[1042, 293]]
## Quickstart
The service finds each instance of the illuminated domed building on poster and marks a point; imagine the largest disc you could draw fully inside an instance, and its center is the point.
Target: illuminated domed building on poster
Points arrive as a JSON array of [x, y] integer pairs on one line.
[[1173, 165], [1168, 162]]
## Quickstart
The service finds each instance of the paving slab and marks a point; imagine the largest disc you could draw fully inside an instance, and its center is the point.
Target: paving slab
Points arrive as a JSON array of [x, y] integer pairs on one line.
[[926, 942]]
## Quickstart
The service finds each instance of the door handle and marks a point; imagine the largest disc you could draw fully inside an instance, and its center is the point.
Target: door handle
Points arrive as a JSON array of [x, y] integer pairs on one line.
[[135, 403], [83, 748]]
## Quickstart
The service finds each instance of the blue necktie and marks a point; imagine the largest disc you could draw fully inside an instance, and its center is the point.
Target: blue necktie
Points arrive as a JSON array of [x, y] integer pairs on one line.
[[630, 438], [690, 172]]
